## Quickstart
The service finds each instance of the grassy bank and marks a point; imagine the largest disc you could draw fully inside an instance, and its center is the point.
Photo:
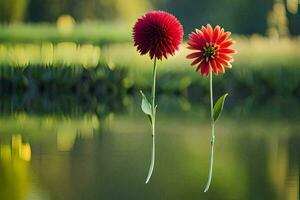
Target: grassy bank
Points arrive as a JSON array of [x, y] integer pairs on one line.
[[262, 68], [65, 54]]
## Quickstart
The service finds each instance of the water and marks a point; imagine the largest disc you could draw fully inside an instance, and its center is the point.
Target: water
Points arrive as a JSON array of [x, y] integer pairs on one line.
[[53, 156]]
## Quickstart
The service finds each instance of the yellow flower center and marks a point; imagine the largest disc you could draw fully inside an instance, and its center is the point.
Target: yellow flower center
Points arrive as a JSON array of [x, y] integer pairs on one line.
[[209, 51]]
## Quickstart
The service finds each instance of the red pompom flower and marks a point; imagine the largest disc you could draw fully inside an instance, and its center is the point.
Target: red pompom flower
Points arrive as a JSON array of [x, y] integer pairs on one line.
[[158, 33], [212, 49]]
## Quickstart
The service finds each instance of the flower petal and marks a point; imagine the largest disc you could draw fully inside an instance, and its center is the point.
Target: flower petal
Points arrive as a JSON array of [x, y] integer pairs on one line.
[[209, 32], [205, 34], [226, 51], [226, 44], [223, 37], [228, 65], [193, 45], [221, 61], [205, 68], [216, 34], [225, 57], [220, 67], [197, 61], [199, 65], [213, 66], [198, 38], [194, 55]]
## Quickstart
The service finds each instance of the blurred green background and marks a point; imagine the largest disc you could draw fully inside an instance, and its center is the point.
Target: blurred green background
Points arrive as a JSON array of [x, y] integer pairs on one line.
[[70, 120], [240, 16]]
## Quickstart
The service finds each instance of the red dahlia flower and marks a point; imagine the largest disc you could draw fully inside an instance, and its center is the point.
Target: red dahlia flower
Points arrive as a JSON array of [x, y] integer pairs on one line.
[[158, 33], [212, 49]]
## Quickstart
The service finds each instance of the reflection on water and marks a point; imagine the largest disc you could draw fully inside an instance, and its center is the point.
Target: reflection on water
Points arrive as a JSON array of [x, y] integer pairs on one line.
[[87, 157], [14, 169], [16, 150]]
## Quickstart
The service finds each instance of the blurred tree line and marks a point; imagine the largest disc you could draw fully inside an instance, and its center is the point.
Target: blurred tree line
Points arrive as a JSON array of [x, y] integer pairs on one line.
[[49, 10], [273, 17]]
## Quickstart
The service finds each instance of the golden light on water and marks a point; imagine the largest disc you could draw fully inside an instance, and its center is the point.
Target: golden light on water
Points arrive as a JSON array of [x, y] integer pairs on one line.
[[16, 150]]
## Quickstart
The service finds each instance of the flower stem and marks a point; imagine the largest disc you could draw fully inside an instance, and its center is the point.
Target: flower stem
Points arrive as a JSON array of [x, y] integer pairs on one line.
[[212, 132], [153, 106]]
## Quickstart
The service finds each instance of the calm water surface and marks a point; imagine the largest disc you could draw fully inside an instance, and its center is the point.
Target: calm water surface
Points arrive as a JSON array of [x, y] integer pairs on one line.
[[67, 157]]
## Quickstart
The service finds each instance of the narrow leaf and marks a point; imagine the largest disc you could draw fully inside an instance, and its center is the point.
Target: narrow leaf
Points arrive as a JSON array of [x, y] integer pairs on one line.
[[219, 106], [146, 106]]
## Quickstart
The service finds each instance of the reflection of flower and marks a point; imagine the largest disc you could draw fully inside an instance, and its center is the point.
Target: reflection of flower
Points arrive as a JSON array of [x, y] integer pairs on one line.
[[212, 49], [158, 33]]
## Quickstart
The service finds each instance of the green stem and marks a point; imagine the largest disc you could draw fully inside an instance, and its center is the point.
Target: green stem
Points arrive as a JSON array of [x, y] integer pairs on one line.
[[212, 133], [153, 106]]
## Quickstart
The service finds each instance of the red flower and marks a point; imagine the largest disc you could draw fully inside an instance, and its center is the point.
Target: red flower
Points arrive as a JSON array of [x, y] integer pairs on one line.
[[158, 33], [212, 49]]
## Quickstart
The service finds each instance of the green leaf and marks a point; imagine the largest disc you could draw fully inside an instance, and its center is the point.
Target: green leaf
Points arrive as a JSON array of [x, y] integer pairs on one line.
[[146, 106], [219, 107]]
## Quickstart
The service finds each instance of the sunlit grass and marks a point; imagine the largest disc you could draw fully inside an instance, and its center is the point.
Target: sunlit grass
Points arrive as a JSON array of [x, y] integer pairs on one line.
[[259, 61], [64, 54], [88, 32], [253, 52]]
